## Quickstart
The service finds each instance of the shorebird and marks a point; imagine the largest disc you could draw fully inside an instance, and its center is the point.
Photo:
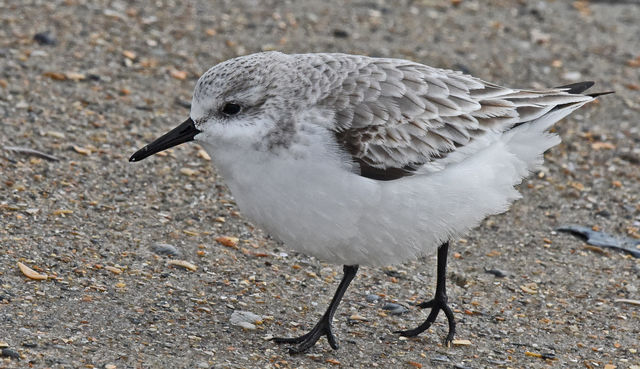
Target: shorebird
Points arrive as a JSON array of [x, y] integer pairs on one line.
[[368, 161]]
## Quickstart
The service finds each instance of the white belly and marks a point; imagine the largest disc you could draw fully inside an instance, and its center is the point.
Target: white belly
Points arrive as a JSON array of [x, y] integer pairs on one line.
[[317, 207]]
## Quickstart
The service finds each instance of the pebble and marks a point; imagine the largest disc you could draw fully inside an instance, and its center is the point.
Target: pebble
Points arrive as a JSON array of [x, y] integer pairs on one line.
[[496, 272], [461, 366], [372, 298], [572, 76], [45, 38], [340, 33], [395, 309], [539, 37], [165, 249], [245, 319], [7, 352], [440, 358]]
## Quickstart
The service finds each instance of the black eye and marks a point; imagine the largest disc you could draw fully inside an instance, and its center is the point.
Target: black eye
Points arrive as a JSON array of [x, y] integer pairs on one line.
[[231, 109]]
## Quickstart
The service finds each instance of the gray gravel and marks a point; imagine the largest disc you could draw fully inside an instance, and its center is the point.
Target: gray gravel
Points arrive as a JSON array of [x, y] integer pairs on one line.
[[91, 81]]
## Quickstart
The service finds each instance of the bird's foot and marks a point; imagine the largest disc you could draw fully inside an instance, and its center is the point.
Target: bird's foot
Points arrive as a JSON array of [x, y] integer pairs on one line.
[[439, 302], [306, 341]]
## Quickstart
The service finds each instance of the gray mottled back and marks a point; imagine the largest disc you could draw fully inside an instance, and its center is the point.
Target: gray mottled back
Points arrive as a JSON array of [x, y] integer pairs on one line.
[[388, 113]]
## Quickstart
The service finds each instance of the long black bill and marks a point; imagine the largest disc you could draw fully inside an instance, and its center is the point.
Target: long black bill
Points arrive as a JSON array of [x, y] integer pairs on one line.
[[181, 134]]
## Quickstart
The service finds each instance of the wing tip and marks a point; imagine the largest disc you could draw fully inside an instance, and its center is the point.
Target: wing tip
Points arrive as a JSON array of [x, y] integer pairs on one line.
[[598, 94], [577, 88], [580, 87]]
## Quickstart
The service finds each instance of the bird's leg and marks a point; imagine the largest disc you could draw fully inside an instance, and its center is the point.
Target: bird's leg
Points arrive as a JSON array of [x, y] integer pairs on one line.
[[439, 301], [323, 327]]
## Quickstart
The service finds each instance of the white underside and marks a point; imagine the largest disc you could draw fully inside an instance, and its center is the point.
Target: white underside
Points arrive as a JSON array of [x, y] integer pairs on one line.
[[311, 202]]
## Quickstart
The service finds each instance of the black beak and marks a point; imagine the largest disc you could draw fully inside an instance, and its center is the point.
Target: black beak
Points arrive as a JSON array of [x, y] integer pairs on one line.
[[181, 134]]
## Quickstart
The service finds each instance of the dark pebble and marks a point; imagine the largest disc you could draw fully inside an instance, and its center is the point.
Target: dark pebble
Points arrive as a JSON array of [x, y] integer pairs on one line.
[[497, 272], [548, 355], [603, 239], [395, 309], [165, 249], [29, 344], [7, 352], [393, 273], [340, 33], [633, 159], [44, 38], [537, 15]]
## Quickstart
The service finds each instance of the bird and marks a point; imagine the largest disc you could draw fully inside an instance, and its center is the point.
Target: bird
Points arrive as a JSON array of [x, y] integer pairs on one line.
[[359, 160]]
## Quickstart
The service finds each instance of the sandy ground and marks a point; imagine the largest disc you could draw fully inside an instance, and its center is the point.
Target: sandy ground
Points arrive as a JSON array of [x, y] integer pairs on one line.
[[112, 75]]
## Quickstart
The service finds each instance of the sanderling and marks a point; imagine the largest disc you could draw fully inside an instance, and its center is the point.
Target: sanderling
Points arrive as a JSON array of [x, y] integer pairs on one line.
[[368, 161]]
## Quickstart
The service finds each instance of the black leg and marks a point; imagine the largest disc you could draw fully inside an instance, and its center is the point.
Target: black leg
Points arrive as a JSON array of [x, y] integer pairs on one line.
[[323, 327], [439, 301]]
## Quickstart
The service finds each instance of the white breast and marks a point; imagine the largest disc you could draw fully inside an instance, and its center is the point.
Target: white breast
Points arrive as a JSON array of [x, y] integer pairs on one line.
[[309, 199]]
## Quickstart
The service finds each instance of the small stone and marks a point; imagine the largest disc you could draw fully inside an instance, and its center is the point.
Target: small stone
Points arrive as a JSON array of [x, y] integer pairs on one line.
[[395, 309], [178, 74], [22, 104], [203, 154], [129, 54], [45, 38], [572, 76], [165, 249], [440, 358], [228, 241], [55, 134], [74, 76], [461, 342], [245, 319], [496, 272], [7, 352], [539, 37], [357, 317], [340, 33], [82, 150], [246, 325], [188, 171], [372, 298], [113, 270], [184, 264]]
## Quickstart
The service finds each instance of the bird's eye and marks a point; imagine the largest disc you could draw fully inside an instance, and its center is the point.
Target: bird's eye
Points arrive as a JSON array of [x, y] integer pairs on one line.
[[231, 109]]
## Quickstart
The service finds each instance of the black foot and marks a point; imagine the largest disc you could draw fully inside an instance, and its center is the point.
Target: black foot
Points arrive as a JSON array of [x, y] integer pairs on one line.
[[437, 304], [323, 328], [439, 301], [304, 342]]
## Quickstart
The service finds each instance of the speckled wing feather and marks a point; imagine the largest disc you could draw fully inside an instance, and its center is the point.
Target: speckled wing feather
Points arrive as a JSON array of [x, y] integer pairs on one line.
[[394, 116]]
